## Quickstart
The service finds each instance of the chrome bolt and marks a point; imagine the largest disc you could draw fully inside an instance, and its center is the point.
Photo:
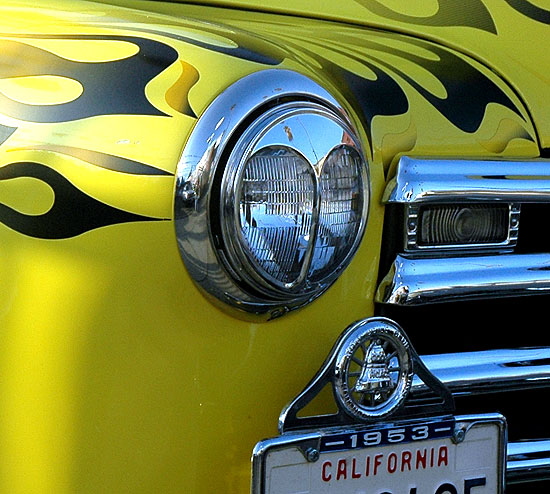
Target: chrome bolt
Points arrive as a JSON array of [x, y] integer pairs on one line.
[[312, 455], [459, 435]]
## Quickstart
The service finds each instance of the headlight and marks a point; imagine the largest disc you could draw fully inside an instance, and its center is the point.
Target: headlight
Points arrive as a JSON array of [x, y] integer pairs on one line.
[[270, 212]]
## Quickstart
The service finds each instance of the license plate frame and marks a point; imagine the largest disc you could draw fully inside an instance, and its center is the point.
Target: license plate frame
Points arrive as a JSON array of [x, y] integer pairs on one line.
[[402, 457]]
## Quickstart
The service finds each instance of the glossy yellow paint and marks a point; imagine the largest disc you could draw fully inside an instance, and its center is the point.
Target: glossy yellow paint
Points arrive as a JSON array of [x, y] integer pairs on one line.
[[116, 373]]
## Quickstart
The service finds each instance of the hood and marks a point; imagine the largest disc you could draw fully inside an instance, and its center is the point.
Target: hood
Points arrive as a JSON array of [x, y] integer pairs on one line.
[[504, 35]]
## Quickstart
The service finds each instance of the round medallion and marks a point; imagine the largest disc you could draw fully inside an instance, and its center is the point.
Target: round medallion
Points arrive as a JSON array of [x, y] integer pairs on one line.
[[373, 371]]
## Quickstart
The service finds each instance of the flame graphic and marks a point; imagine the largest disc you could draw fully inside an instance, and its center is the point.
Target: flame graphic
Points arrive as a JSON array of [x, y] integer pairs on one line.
[[108, 88], [72, 213]]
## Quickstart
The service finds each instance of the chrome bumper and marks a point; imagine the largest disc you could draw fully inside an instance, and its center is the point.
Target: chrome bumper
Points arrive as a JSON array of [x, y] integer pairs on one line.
[[475, 373]]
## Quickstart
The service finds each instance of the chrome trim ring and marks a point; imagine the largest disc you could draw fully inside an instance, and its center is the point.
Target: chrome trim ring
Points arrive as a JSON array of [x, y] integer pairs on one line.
[[214, 258]]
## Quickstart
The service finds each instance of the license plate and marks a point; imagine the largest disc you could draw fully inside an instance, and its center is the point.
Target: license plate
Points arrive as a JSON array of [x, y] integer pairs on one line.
[[460, 455]]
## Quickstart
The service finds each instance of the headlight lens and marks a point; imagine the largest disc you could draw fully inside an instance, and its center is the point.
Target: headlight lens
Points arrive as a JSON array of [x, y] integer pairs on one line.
[[275, 204], [341, 212], [293, 200]]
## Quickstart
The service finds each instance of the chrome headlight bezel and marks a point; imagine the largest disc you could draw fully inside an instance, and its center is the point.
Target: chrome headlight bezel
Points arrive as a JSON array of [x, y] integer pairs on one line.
[[247, 119]]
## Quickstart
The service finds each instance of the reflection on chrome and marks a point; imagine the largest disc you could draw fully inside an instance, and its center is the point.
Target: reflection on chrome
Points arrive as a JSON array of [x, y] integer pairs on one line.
[[473, 373], [431, 180], [488, 371], [417, 281]]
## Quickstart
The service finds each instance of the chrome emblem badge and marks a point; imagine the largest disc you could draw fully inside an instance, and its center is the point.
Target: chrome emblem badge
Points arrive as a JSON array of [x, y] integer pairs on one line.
[[373, 369], [370, 369]]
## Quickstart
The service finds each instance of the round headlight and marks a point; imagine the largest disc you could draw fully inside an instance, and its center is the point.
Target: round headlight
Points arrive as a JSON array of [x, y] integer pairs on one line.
[[286, 202], [293, 200]]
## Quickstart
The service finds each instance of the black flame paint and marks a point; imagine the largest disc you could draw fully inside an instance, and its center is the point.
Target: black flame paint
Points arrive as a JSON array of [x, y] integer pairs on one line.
[[530, 10], [72, 213], [476, 15], [112, 87], [468, 91], [104, 160]]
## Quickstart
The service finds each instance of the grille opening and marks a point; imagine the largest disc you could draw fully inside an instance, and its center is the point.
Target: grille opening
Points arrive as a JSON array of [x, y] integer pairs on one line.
[[474, 325], [533, 237]]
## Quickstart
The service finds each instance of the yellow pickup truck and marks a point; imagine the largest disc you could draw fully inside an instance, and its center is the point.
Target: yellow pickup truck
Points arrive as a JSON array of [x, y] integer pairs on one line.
[[274, 247]]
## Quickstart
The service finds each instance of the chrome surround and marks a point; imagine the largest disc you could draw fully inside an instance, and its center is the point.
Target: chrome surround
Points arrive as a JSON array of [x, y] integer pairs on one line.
[[205, 259], [417, 281]]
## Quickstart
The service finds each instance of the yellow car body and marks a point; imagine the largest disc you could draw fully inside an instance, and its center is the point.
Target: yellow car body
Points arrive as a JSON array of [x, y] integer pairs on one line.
[[118, 373]]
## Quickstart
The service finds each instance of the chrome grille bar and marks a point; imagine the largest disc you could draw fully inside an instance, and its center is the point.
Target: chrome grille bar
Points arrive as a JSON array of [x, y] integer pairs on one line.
[[432, 180], [474, 373], [460, 272], [417, 281], [465, 272], [488, 371], [528, 461]]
